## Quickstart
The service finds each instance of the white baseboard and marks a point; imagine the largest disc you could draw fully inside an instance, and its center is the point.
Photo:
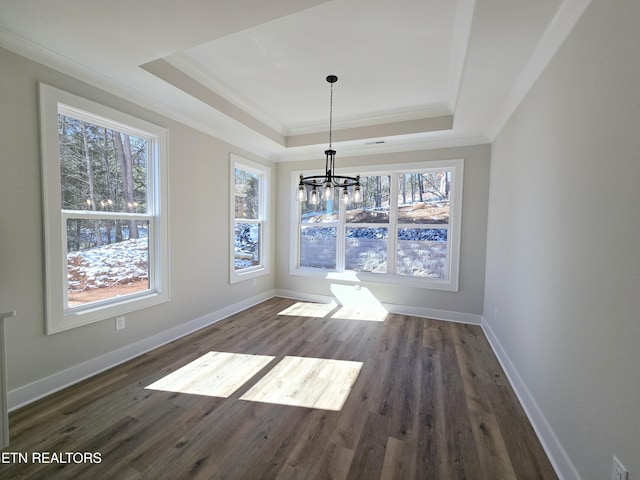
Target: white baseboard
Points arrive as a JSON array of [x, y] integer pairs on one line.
[[26, 394], [552, 446], [458, 317]]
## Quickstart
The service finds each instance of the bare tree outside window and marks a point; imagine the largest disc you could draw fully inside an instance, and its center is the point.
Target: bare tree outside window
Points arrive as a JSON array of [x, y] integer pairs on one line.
[[103, 176]]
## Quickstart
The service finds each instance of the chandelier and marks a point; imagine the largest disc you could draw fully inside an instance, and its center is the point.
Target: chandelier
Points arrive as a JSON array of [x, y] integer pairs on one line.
[[328, 182]]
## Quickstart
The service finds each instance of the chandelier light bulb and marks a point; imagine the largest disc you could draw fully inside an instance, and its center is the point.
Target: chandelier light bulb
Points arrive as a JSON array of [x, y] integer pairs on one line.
[[357, 194], [345, 196], [328, 193], [315, 197], [302, 193]]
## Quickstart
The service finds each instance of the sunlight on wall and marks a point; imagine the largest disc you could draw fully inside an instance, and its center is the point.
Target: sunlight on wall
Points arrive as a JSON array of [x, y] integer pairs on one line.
[[307, 382]]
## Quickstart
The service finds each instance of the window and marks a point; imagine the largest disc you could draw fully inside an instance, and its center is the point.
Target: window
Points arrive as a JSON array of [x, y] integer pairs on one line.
[[249, 245], [406, 230], [104, 175]]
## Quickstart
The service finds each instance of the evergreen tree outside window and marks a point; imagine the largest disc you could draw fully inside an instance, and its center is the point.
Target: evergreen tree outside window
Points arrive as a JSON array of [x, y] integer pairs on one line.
[[105, 228]]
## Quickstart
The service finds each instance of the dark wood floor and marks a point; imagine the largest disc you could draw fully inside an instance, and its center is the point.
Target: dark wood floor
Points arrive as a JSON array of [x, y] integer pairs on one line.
[[430, 402]]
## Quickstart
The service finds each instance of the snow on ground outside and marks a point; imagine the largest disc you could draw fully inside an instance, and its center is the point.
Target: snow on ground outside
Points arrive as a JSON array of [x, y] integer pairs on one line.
[[108, 265], [126, 262]]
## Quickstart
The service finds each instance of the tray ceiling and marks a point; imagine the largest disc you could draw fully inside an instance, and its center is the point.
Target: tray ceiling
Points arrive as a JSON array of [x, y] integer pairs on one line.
[[412, 73]]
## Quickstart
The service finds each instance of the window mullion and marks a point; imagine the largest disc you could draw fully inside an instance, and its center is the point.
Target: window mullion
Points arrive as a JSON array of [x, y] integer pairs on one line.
[[101, 214], [392, 237], [63, 258], [341, 247]]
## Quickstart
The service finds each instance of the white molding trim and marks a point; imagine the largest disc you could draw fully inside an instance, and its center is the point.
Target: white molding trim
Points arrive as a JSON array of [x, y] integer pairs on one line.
[[552, 446], [26, 394], [4, 409], [445, 315], [432, 313]]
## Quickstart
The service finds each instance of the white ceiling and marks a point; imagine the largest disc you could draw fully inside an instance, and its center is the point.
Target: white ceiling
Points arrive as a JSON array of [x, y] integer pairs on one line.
[[412, 73]]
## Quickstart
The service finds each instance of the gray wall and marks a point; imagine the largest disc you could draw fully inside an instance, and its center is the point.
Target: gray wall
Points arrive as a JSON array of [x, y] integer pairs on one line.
[[469, 298], [563, 263], [199, 237]]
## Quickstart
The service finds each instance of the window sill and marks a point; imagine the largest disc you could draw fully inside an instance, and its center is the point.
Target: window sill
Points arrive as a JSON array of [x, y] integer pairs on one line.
[[248, 274], [358, 277], [97, 312]]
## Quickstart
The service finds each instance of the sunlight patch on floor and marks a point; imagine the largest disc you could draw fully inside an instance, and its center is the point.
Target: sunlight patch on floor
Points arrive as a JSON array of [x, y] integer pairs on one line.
[[354, 303], [371, 313], [358, 303], [360, 313], [308, 309], [306, 382], [216, 374]]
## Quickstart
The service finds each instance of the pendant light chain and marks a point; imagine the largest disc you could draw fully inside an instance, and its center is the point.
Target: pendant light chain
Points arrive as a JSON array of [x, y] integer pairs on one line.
[[330, 115]]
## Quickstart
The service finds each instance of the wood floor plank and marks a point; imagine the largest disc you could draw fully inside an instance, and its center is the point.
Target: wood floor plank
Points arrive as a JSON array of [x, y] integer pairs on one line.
[[429, 402], [369, 455], [399, 461], [310, 444], [352, 418], [431, 445], [492, 452]]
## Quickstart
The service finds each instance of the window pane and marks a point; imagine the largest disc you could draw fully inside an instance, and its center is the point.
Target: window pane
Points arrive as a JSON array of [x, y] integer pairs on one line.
[[374, 207], [324, 212], [247, 195], [247, 245], [366, 249], [318, 247], [422, 252], [106, 258], [101, 169], [423, 198]]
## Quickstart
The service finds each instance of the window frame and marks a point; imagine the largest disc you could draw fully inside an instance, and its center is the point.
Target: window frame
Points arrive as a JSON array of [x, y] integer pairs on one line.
[[454, 227], [59, 317], [264, 173]]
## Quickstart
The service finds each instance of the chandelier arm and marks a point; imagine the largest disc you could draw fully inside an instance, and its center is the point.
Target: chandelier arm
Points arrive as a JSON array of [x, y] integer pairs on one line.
[[313, 180], [328, 167], [344, 181]]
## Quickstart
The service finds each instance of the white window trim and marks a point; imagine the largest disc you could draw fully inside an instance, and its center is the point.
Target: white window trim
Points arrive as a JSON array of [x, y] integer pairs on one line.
[[235, 276], [59, 318], [453, 239]]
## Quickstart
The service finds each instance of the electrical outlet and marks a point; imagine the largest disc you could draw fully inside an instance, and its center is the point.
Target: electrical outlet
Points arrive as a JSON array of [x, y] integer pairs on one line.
[[618, 472], [120, 323]]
